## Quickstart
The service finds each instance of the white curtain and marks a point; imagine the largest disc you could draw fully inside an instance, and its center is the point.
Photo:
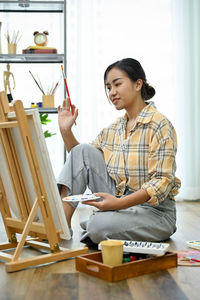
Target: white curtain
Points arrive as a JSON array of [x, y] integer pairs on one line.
[[186, 93], [100, 32], [163, 36]]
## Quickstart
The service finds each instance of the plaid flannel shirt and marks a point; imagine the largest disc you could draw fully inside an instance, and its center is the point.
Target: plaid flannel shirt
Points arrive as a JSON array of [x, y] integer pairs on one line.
[[146, 158]]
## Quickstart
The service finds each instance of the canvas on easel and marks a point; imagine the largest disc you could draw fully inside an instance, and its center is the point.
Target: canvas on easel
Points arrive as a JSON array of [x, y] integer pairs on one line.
[[30, 203]]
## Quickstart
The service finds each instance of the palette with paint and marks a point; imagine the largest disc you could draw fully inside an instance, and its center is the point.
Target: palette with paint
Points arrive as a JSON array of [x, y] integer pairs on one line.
[[189, 258], [193, 244], [80, 198]]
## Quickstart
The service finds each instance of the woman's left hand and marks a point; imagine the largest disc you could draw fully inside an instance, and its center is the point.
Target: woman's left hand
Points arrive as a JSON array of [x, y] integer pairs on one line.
[[109, 202]]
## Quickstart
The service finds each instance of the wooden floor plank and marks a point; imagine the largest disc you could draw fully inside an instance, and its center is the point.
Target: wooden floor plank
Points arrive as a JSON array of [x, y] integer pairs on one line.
[[157, 286], [94, 288], [188, 279], [54, 286]]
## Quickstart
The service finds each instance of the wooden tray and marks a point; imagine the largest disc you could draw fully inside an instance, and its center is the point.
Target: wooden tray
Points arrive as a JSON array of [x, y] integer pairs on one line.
[[92, 265]]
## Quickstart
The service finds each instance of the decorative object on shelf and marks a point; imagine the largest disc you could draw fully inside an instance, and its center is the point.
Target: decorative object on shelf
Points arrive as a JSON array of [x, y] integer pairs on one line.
[[39, 50], [12, 48], [6, 78], [12, 42], [33, 105], [47, 100], [0, 38], [40, 40], [44, 120], [48, 96]]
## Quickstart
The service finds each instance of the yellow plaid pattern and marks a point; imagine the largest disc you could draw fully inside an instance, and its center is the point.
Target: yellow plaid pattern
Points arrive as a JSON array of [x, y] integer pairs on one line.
[[146, 159]]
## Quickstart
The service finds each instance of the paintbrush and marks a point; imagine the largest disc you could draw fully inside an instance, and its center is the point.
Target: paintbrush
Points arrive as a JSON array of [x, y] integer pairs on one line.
[[37, 83], [65, 81]]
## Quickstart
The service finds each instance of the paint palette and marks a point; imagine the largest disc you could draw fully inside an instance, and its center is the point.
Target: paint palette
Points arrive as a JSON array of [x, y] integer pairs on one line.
[[194, 244], [144, 247], [80, 198]]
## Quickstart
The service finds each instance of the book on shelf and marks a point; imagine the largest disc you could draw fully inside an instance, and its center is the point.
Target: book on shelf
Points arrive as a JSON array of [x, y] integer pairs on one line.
[[39, 50]]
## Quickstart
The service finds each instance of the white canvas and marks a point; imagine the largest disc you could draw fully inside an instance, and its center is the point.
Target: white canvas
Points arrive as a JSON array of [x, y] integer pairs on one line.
[[45, 168]]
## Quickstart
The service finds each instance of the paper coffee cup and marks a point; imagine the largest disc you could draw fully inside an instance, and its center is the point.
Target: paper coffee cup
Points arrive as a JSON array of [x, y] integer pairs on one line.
[[112, 252]]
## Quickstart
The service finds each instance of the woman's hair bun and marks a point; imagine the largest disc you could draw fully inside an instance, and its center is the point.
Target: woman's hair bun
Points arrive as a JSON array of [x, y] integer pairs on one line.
[[147, 91]]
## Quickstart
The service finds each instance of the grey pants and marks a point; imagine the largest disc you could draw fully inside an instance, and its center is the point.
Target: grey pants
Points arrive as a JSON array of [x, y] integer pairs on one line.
[[85, 166]]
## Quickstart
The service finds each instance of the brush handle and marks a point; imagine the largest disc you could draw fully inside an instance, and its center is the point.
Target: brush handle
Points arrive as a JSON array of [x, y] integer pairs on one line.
[[72, 110], [65, 81]]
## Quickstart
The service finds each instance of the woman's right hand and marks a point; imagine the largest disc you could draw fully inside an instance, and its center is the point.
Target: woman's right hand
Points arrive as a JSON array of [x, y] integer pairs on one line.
[[65, 117]]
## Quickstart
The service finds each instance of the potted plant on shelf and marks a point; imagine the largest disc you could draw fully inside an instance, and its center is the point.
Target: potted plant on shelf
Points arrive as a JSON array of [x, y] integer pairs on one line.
[[44, 120]]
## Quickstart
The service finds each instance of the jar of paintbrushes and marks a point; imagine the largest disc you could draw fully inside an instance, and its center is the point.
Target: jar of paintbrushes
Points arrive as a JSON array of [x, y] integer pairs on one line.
[[12, 41], [47, 95]]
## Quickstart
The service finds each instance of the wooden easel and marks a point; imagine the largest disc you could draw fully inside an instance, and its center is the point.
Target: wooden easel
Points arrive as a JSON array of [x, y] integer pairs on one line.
[[25, 224]]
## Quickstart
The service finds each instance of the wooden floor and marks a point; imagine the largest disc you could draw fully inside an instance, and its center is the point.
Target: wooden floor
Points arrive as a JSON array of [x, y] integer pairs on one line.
[[61, 281]]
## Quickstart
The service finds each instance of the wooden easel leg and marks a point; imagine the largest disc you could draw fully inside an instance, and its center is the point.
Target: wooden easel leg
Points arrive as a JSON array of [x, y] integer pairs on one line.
[[5, 212], [43, 259], [26, 231]]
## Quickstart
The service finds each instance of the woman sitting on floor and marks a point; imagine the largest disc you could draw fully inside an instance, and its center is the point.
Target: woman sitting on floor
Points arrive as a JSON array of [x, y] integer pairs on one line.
[[130, 165]]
